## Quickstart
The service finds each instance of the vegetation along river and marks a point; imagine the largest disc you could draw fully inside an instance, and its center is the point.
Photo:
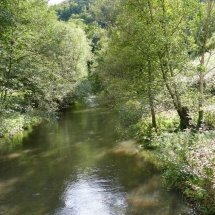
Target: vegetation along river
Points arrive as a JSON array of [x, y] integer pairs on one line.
[[79, 165]]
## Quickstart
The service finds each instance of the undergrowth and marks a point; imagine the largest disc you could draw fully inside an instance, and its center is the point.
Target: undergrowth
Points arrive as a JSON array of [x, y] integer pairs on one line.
[[187, 157], [189, 164], [13, 123]]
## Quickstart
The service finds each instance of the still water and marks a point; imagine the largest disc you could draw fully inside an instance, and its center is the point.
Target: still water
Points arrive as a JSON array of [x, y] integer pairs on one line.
[[80, 166]]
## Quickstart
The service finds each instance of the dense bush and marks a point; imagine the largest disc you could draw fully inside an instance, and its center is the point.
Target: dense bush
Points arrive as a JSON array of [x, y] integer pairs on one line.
[[130, 112], [142, 130], [188, 160]]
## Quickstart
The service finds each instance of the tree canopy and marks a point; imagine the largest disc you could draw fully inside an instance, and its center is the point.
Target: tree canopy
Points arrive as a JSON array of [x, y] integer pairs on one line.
[[156, 43], [41, 59]]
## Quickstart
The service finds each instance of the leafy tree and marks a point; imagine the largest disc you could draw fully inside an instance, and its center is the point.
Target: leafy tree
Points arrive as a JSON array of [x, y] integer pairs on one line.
[[202, 29], [41, 59], [160, 28], [154, 32], [105, 12], [75, 9], [127, 73]]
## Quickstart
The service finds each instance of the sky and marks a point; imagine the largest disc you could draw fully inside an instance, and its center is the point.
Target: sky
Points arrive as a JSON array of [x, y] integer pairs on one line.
[[55, 1]]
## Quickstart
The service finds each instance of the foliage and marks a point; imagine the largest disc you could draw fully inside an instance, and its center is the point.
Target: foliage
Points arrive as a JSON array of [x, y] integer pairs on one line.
[[189, 165], [15, 122], [75, 9], [80, 93], [130, 112], [42, 60], [149, 50], [210, 117], [202, 29], [143, 131], [105, 12], [95, 83]]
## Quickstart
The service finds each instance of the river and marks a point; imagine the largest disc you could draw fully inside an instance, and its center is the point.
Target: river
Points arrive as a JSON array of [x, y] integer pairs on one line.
[[80, 165]]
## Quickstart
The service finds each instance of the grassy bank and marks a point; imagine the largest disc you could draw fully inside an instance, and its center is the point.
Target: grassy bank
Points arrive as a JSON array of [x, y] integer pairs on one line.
[[188, 165], [16, 122], [187, 157]]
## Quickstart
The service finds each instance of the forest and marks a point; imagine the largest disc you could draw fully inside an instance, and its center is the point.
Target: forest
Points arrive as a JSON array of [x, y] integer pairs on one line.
[[152, 61]]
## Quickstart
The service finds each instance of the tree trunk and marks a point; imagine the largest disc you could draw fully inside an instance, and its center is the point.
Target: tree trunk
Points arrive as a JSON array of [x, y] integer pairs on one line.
[[185, 119], [201, 91], [154, 124], [150, 96]]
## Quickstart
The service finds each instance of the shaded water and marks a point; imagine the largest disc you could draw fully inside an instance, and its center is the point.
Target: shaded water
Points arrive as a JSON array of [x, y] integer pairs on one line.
[[79, 166]]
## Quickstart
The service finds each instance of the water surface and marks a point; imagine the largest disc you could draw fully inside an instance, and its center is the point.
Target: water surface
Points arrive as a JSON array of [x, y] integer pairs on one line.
[[81, 166]]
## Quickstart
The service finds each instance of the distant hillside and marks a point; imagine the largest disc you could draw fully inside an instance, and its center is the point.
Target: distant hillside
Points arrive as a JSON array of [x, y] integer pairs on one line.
[[75, 9]]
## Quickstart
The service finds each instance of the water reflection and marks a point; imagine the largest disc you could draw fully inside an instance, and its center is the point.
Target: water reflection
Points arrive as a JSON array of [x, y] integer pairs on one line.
[[92, 195], [150, 198], [79, 166], [125, 147]]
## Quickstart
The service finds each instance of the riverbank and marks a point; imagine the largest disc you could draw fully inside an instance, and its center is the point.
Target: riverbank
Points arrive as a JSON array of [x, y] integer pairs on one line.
[[14, 123], [188, 165], [187, 159]]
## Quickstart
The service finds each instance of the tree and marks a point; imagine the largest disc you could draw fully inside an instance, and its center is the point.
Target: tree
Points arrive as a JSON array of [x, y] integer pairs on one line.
[[128, 73], [18, 61], [105, 12], [161, 28], [157, 31], [75, 9], [202, 30], [41, 59]]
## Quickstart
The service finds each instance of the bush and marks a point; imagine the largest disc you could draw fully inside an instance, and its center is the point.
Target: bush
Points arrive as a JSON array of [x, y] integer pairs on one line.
[[209, 116], [143, 130], [130, 113], [189, 164], [15, 122]]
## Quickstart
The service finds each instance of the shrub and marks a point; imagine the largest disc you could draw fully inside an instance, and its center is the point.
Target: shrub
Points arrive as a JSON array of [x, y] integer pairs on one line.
[[143, 130], [130, 113], [189, 164]]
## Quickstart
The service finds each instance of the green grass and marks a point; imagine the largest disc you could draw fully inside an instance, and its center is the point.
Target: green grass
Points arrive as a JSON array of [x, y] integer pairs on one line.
[[16, 122]]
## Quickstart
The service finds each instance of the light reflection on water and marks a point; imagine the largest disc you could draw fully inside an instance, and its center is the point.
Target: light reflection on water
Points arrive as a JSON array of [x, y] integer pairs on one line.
[[79, 166], [92, 195]]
